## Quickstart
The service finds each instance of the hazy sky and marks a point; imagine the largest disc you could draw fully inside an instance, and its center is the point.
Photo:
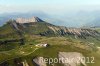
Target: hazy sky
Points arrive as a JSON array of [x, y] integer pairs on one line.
[[49, 6]]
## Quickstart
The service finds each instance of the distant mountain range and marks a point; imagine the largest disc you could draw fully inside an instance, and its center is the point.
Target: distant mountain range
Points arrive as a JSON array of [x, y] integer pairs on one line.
[[75, 19], [7, 16], [95, 23]]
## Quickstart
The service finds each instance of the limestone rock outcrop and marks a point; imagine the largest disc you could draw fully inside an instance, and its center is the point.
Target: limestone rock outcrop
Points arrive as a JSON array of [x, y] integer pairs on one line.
[[71, 58], [29, 20]]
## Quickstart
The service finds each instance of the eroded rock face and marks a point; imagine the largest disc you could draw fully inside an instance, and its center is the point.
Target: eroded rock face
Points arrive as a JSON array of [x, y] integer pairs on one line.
[[71, 58], [27, 24], [76, 32], [37, 62], [24, 20]]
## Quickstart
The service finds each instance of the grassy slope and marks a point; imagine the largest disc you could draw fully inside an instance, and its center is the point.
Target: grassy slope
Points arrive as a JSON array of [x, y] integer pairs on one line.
[[38, 27], [8, 32], [58, 44], [98, 29]]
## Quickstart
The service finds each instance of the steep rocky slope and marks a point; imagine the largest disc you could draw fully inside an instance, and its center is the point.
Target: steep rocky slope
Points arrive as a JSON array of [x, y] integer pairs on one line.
[[36, 26], [24, 20], [39, 27]]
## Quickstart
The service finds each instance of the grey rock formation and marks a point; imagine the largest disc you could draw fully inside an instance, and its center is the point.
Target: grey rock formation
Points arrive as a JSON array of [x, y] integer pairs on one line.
[[71, 58], [76, 32], [22, 23], [24, 20]]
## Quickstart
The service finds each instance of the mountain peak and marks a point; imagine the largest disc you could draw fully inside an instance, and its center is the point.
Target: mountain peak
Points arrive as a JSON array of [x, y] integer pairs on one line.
[[28, 20]]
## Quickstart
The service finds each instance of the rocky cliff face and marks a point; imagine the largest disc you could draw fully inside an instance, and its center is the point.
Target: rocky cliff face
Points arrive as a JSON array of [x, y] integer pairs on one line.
[[77, 32], [38, 27], [24, 20]]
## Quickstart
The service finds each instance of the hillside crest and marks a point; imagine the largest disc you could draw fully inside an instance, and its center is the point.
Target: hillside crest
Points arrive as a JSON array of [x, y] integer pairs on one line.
[[28, 20]]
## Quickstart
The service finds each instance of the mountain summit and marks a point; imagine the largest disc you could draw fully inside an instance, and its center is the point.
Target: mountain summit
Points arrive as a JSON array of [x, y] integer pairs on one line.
[[29, 20], [36, 26]]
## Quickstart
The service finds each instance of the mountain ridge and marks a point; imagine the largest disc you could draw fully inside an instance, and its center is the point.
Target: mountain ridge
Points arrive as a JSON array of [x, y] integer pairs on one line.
[[28, 20], [59, 39], [47, 29]]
